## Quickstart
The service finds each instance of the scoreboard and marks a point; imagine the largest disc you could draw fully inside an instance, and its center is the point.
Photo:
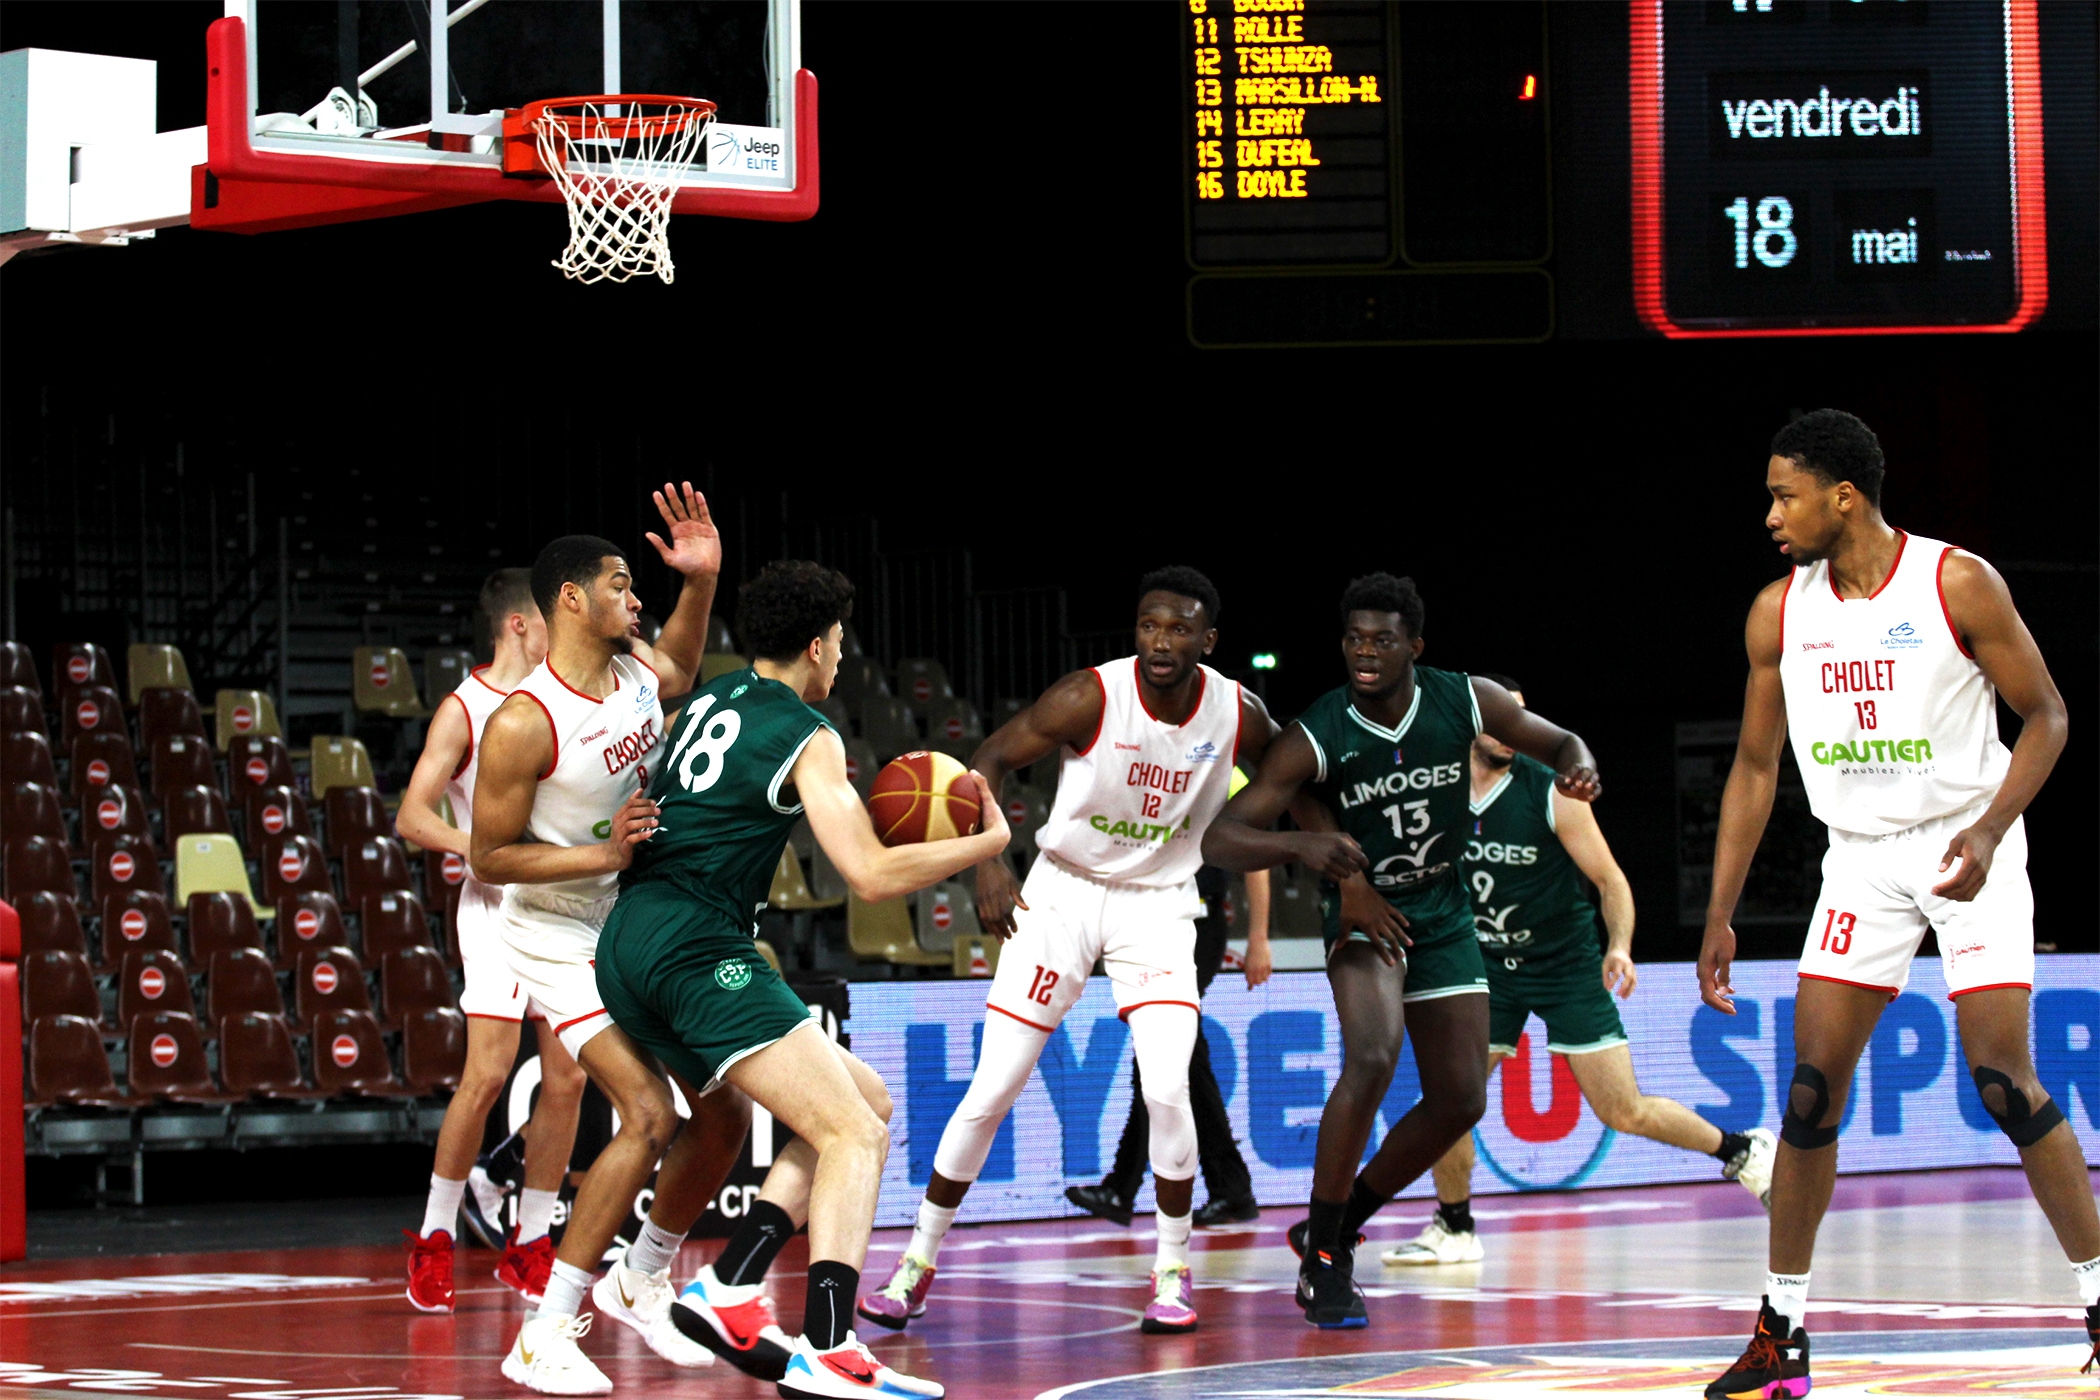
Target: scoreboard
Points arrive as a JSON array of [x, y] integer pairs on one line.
[[1829, 167]]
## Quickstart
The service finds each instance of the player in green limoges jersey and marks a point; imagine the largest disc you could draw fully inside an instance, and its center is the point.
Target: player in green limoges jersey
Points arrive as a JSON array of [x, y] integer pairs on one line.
[[1527, 850], [1385, 756]]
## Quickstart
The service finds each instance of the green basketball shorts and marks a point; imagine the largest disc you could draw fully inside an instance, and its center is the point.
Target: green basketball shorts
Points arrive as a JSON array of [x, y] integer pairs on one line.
[[1580, 1014], [1444, 960]]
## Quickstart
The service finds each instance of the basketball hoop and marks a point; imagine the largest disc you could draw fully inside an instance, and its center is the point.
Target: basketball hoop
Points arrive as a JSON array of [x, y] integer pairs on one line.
[[618, 160]]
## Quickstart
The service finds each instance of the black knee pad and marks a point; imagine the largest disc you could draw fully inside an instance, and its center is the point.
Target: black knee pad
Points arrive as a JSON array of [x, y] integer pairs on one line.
[[2023, 1125], [1799, 1129]]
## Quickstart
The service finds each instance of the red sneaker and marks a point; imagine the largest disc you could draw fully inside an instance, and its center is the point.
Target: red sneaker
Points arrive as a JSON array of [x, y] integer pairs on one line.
[[430, 1271], [526, 1267]]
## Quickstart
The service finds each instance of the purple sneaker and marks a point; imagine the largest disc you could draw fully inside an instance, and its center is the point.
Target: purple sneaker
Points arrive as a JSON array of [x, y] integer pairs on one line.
[[902, 1298], [1173, 1306]]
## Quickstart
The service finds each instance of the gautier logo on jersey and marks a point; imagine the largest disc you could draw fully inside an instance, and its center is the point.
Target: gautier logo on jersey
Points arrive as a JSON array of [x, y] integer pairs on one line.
[[1872, 751], [620, 754], [1155, 833]]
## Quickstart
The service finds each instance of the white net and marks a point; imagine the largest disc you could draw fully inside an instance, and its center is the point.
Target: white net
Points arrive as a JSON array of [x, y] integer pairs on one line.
[[618, 163]]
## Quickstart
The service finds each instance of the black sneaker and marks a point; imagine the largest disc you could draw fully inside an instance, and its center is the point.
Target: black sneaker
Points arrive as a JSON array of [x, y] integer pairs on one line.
[[1215, 1212], [2092, 1332], [1296, 1237], [1329, 1294], [1101, 1201], [1773, 1366], [481, 1206]]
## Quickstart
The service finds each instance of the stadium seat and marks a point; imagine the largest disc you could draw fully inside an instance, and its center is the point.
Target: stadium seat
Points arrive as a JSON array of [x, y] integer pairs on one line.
[[17, 667], [392, 921], [21, 707], [859, 679], [50, 923], [328, 979], [75, 664], [445, 669], [152, 979], [32, 810], [849, 641], [91, 709], [977, 957], [208, 863], [272, 810], [803, 841], [719, 639], [219, 922], [241, 982], [124, 862], [374, 865], [38, 863], [882, 932], [153, 666], [135, 920], [433, 1049], [412, 979], [68, 1066], [954, 719], [887, 724], [339, 762], [790, 890], [307, 919], [195, 810], [114, 810], [354, 815], [715, 665], [1004, 710], [1026, 811], [833, 709], [96, 760], [257, 760], [290, 864], [350, 1057], [242, 713], [182, 761], [825, 882], [59, 984], [25, 757], [1294, 904], [943, 914], [443, 874], [921, 679], [382, 684], [257, 1059], [766, 951], [164, 711], [167, 1061], [861, 766]]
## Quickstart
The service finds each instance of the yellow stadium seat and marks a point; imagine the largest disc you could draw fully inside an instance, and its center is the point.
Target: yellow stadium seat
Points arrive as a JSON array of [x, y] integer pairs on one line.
[[765, 950], [339, 761], [445, 669], [244, 712], [943, 915], [968, 950], [921, 680], [382, 684], [209, 863], [790, 891], [717, 664], [148, 664], [882, 933]]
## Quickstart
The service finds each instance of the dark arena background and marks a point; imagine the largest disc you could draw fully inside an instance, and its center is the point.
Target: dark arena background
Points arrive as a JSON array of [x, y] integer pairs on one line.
[[1058, 320]]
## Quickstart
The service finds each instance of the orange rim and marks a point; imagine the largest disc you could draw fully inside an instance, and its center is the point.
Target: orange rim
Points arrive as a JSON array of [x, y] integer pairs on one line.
[[691, 109]]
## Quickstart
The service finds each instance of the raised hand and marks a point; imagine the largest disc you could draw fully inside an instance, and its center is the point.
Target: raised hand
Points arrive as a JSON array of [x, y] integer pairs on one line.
[[695, 548]]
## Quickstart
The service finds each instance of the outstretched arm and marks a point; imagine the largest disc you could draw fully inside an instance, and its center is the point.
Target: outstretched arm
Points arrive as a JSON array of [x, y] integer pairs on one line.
[[1746, 803], [1069, 712], [1584, 842], [445, 745], [872, 870], [517, 750], [695, 551], [1574, 768]]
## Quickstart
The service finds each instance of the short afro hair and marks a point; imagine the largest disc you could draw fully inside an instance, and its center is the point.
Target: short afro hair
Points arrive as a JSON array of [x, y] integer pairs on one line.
[[576, 559], [1185, 581], [791, 603], [1507, 682], [1836, 447], [503, 593], [1382, 593]]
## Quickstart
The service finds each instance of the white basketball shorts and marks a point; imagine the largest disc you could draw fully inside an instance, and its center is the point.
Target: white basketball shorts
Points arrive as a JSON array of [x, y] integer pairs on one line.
[[1143, 936], [1877, 901], [492, 989], [551, 945]]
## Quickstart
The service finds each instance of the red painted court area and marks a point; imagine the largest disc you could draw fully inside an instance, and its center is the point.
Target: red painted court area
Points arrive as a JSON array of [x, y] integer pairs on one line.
[[1929, 1284]]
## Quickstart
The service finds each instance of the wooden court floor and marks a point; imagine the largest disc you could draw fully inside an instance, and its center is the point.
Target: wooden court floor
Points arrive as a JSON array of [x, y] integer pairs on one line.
[[1928, 1284]]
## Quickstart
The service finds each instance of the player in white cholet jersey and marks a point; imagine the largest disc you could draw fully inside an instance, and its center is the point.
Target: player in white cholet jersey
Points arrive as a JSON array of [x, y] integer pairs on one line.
[[1149, 746], [1884, 655]]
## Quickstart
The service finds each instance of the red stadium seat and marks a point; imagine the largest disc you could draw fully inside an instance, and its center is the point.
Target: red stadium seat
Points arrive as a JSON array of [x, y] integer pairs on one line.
[[411, 980], [292, 864], [350, 1057], [133, 920], [167, 1061], [91, 709], [38, 863], [59, 984], [21, 707], [67, 1065], [355, 815], [99, 759], [181, 761], [115, 810], [25, 757], [152, 980], [274, 809], [195, 810], [257, 1059], [125, 863], [31, 809], [328, 979], [166, 710], [392, 921], [241, 981], [220, 921], [17, 667], [74, 664], [308, 919], [50, 924], [374, 865], [443, 875], [433, 1049], [256, 760]]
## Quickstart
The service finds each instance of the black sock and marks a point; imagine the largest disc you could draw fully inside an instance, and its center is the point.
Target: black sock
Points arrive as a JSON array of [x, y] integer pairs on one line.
[[752, 1245], [1731, 1143], [827, 1313], [1363, 1204], [1325, 1230], [1456, 1215]]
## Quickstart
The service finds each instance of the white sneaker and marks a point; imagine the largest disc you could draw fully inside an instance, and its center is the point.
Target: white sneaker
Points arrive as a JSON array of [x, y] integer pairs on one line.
[[1752, 1169], [847, 1372], [546, 1358], [643, 1302], [1437, 1245], [481, 1206]]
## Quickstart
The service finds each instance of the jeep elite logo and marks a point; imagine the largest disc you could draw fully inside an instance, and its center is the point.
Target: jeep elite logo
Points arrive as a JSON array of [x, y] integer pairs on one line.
[[734, 974]]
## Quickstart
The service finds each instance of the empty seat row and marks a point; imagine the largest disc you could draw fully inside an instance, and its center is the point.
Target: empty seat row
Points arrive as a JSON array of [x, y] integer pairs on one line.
[[239, 980], [389, 921]]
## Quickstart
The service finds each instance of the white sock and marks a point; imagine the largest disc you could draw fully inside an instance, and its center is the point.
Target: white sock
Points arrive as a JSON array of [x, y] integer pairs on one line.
[[931, 1230], [441, 1211], [535, 1213], [565, 1288], [1173, 1240], [1788, 1295], [654, 1249], [2088, 1276]]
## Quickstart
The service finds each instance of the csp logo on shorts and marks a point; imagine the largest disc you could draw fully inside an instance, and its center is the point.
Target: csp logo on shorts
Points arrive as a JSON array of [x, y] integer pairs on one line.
[[733, 973]]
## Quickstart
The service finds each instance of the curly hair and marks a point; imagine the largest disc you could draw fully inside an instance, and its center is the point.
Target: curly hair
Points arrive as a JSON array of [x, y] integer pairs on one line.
[[577, 559], [1185, 582], [1835, 447], [1382, 593], [790, 603]]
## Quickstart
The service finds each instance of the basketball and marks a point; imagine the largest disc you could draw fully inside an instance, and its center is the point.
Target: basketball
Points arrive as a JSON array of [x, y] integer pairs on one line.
[[923, 797]]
